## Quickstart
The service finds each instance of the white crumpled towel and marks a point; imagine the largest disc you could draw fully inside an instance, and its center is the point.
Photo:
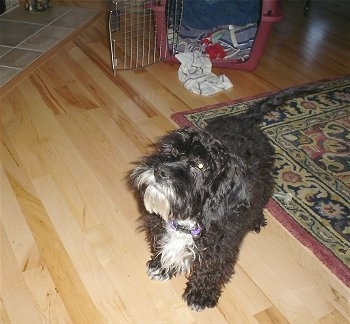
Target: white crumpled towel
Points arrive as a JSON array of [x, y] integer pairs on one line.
[[195, 73]]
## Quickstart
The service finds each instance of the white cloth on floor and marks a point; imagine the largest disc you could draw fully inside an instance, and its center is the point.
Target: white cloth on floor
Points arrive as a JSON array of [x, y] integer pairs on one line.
[[195, 73]]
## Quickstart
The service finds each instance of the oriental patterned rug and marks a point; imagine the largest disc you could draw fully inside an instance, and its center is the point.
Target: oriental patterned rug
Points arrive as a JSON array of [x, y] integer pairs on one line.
[[312, 170]]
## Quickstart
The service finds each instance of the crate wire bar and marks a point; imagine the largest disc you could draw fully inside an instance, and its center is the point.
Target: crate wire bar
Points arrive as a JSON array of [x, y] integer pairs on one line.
[[135, 41], [143, 32]]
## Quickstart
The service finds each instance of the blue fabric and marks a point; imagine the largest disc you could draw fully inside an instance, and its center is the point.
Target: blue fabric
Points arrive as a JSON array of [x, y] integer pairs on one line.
[[208, 14]]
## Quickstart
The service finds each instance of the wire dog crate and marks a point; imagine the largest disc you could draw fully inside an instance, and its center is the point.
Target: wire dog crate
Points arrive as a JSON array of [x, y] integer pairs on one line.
[[134, 25], [143, 32]]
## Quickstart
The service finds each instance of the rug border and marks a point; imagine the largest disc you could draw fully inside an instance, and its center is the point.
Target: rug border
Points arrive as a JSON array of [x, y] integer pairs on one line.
[[340, 270], [181, 121]]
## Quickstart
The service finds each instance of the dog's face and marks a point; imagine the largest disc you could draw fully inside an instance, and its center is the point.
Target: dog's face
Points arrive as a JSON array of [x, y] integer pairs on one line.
[[189, 174]]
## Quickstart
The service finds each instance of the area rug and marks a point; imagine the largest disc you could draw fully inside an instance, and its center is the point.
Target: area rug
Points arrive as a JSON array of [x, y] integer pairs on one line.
[[312, 170]]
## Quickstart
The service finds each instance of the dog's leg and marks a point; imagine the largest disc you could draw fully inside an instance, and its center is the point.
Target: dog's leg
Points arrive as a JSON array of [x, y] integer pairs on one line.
[[155, 230], [259, 223], [155, 270], [207, 280]]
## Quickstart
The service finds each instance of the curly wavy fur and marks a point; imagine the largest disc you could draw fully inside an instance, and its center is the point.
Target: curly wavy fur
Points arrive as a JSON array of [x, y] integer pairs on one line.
[[218, 179]]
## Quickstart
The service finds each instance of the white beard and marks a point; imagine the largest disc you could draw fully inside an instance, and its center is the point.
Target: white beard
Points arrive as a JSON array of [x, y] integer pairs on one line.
[[156, 197], [178, 249], [156, 202]]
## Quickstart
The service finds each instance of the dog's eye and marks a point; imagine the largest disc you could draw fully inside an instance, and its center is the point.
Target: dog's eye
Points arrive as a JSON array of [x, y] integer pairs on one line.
[[200, 166], [174, 151]]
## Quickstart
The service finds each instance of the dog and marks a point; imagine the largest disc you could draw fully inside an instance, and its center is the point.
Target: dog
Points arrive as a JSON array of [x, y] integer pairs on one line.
[[202, 191]]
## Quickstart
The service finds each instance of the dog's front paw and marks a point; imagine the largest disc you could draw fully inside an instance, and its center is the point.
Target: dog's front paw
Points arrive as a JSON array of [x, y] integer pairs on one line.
[[261, 222], [199, 300], [156, 272]]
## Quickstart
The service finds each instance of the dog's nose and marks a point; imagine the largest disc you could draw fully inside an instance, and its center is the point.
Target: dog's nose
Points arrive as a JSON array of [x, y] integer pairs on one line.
[[162, 172]]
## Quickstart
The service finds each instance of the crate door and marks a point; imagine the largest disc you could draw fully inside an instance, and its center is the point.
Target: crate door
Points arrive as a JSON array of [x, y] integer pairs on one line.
[[140, 32]]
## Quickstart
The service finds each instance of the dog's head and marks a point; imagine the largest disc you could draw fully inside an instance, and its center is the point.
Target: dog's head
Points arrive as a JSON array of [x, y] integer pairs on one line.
[[190, 175]]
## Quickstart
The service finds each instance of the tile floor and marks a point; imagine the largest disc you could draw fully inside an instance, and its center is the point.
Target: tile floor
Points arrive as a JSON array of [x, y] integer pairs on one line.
[[25, 36]]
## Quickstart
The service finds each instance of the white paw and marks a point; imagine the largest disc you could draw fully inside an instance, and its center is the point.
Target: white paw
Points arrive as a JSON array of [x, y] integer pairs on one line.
[[157, 273]]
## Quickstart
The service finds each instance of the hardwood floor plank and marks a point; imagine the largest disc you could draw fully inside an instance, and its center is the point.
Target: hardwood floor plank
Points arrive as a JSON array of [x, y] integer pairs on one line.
[[94, 278], [17, 231], [45, 296], [16, 296], [3, 313], [63, 272], [334, 317], [271, 315], [71, 251], [247, 293]]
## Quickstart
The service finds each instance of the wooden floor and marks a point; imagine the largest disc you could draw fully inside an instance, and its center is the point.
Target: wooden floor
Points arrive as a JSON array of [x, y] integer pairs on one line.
[[70, 132]]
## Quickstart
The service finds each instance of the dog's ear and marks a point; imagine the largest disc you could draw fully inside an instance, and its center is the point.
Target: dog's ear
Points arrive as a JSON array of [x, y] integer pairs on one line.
[[227, 193]]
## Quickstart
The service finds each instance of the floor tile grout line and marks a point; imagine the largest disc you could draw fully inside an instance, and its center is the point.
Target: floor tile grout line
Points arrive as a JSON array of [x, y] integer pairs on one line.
[[28, 22], [11, 67], [8, 49], [21, 21], [61, 16], [39, 30], [18, 46], [9, 46], [46, 24]]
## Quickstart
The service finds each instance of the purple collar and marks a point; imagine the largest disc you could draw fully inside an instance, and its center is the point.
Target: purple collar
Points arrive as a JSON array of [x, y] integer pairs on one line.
[[195, 232]]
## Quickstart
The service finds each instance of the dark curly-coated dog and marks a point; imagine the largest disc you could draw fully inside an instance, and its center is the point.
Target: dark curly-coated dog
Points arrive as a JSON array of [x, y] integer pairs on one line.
[[203, 190]]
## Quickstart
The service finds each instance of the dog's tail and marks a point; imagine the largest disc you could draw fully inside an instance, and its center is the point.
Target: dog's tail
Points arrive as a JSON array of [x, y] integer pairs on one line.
[[271, 103], [255, 114]]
